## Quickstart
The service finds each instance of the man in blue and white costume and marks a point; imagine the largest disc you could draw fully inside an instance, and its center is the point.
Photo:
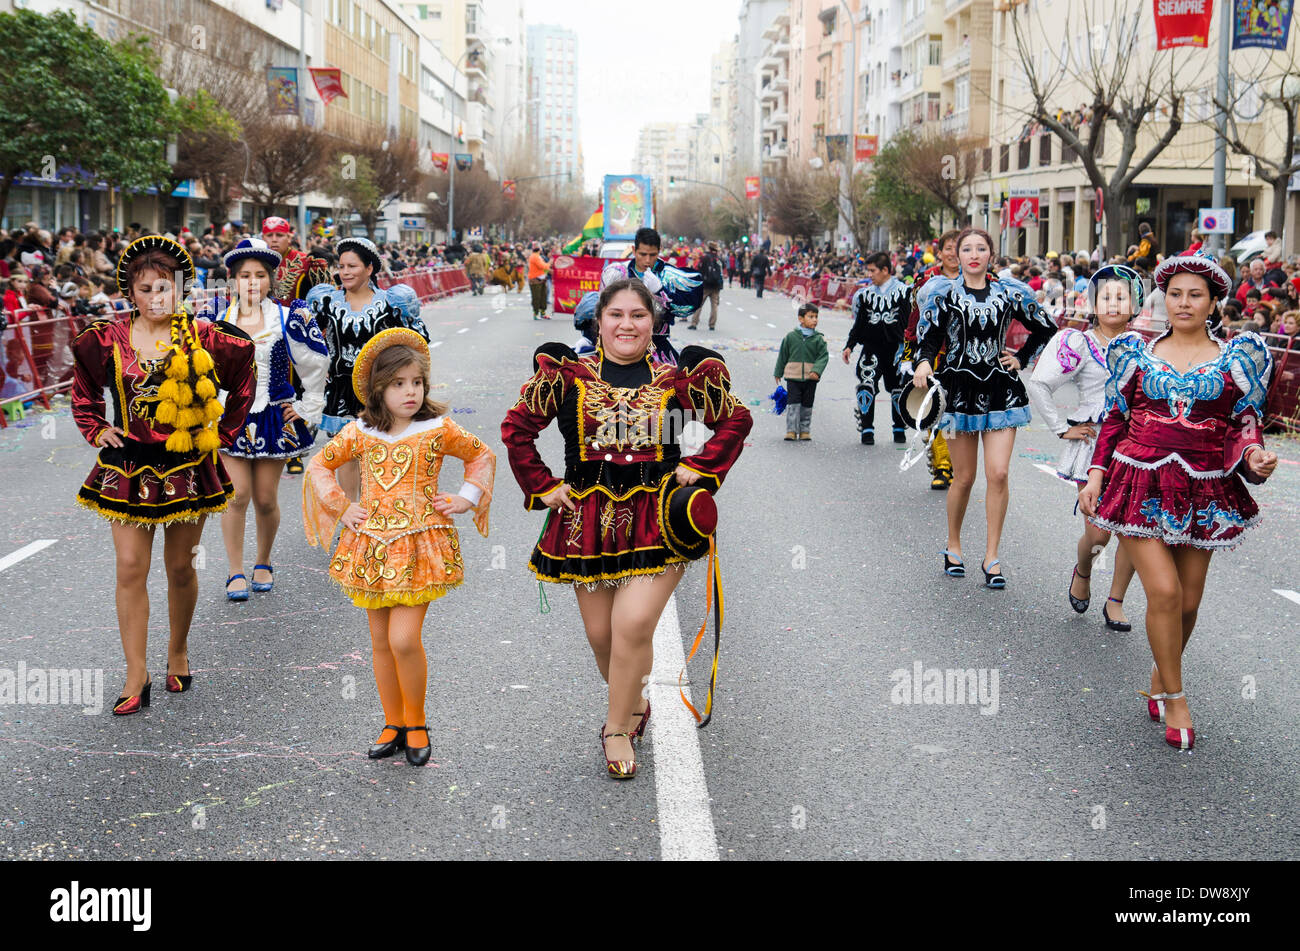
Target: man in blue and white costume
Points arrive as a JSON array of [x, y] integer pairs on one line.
[[680, 293], [881, 309], [349, 316]]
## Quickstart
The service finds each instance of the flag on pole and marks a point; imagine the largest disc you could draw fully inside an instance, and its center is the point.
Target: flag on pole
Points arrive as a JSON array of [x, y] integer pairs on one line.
[[592, 230], [508, 188], [464, 161], [440, 160], [329, 83], [1256, 24]]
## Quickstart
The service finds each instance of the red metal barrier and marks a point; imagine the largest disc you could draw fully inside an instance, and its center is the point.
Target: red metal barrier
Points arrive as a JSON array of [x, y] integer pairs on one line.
[[37, 356], [429, 283]]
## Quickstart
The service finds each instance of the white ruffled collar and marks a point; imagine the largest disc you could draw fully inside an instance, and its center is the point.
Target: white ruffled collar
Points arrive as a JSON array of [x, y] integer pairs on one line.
[[414, 429]]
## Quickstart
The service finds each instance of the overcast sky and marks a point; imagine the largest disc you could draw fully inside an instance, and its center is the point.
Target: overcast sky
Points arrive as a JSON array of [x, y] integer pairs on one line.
[[637, 63]]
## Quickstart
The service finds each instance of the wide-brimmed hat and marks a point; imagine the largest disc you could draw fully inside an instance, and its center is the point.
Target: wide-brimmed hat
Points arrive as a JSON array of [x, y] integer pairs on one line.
[[688, 516], [365, 249], [377, 345], [921, 409], [1206, 267], [254, 248], [154, 242]]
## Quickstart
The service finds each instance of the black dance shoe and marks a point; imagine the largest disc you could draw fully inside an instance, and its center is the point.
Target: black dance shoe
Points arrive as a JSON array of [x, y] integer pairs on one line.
[[382, 750], [419, 755]]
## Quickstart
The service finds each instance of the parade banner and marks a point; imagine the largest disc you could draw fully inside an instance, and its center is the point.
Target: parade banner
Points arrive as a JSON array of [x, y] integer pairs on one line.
[[752, 187], [508, 188], [464, 161], [1023, 208], [1260, 24], [628, 206], [1183, 23], [836, 147], [329, 83], [440, 160], [574, 276], [865, 147], [282, 85]]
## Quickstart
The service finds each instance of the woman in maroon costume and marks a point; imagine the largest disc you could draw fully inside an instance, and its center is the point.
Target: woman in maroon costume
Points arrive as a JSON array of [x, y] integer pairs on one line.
[[158, 364], [1182, 429], [616, 409]]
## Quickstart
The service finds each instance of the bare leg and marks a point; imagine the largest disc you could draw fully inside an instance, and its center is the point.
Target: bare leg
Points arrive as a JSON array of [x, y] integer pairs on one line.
[[1155, 565], [997, 466], [964, 450], [179, 541], [133, 546], [235, 516], [597, 608], [637, 608], [266, 506]]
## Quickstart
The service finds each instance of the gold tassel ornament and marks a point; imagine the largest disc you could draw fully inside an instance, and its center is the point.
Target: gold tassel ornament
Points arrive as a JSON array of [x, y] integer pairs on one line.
[[187, 398]]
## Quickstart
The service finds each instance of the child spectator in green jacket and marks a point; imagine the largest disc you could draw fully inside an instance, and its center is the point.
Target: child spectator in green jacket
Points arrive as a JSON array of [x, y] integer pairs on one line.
[[801, 360]]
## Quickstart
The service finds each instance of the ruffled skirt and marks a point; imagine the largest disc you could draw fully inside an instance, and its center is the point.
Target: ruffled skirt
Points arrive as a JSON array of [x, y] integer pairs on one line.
[[266, 435], [1168, 502], [977, 406], [411, 569], [139, 484], [607, 539]]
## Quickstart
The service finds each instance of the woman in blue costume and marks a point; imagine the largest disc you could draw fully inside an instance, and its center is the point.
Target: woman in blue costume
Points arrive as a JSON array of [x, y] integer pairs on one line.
[[986, 399], [349, 316], [279, 425]]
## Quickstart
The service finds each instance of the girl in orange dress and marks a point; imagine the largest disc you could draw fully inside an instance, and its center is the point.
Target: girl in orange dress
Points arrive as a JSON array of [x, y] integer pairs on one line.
[[399, 549]]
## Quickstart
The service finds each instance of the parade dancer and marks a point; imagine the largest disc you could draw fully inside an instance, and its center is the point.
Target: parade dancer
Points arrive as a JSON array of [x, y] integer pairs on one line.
[[985, 396], [937, 450], [1183, 428], [349, 316], [880, 310], [616, 529], [158, 462], [399, 549], [678, 293], [1079, 357], [280, 425]]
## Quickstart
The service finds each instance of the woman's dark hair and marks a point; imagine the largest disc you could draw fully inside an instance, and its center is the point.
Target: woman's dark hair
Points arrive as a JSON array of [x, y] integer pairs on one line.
[[157, 262], [627, 284], [967, 232], [239, 266], [386, 366]]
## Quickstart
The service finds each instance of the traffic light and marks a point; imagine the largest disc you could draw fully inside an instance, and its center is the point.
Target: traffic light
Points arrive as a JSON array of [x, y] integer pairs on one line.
[[744, 239], [672, 179]]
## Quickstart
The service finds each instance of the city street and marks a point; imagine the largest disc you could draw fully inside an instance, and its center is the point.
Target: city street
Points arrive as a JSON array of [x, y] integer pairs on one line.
[[830, 560]]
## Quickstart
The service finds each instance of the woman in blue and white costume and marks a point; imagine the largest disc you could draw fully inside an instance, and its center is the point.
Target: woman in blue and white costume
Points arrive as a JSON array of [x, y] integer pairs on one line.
[[349, 316], [1115, 296], [985, 397], [279, 425]]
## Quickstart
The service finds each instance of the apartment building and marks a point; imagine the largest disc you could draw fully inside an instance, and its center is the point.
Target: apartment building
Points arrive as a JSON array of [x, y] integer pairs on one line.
[[554, 132]]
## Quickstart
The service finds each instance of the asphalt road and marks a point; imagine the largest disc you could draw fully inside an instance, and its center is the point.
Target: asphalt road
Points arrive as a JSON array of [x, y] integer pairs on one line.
[[831, 566]]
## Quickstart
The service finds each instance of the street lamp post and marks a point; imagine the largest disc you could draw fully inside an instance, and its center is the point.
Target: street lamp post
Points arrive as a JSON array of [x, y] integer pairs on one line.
[[846, 161]]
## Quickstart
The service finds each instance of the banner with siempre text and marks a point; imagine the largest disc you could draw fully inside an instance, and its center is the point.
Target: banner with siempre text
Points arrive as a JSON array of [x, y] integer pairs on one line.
[[329, 83], [1183, 23], [752, 188], [865, 147], [1261, 24], [573, 277], [440, 160], [282, 85]]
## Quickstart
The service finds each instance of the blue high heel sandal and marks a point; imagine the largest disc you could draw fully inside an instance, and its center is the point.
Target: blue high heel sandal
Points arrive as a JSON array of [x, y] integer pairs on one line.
[[264, 585], [236, 595]]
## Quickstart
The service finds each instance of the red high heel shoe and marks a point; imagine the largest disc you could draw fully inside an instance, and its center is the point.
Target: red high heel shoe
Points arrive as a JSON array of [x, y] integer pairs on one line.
[[128, 705], [1155, 703], [617, 768], [1180, 738], [179, 683], [645, 718]]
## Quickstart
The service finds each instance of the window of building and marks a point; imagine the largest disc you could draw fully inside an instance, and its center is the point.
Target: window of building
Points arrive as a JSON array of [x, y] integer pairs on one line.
[[1023, 154], [932, 107], [961, 93], [1004, 158], [936, 50], [1045, 149]]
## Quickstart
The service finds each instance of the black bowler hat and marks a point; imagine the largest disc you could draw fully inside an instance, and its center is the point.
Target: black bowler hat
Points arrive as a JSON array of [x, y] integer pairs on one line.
[[688, 517], [911, 401]]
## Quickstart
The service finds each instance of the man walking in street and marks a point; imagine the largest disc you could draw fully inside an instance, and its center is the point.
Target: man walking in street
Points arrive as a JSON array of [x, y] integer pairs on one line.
[[711, 272], [537, 271], [880, 312], [759, 270]]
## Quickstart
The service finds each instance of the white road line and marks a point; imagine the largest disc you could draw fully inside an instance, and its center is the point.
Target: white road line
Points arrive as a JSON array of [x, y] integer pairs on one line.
[[482, 320], [685, 819], [463, 330], [8, 561], [1289, 595], [753, 316], [773, 326]]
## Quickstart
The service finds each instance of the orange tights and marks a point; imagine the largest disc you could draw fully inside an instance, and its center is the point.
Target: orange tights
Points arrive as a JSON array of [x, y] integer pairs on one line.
[[401, 670]]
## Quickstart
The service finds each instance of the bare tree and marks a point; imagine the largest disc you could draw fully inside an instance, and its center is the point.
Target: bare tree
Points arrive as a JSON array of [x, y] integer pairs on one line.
[[392, 169], [1270, 97], [1120, 78], [287, 159], [945, 166], [478, 200], [802, 204]]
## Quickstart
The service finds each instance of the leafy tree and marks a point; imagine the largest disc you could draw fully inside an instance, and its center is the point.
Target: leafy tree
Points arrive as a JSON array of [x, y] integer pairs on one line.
[[894, 193], [71, 98]]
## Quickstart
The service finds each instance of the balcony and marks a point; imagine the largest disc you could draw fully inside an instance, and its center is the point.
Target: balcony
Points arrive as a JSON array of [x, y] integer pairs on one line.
[[473, 123], [914, 26], [776, 121], [957, 123], [952, 6], [770, 63], [954, 63]]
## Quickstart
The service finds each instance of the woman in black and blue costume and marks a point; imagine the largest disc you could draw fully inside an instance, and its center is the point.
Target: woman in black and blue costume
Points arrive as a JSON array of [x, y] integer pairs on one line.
[[986, 400]]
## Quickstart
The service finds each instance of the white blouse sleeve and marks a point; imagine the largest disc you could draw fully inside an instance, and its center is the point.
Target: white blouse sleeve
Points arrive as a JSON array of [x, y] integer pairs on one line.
[[310, 361], [1058, 364]]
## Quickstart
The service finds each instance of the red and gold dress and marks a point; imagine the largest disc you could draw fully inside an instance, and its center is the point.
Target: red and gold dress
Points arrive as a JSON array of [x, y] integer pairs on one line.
[[620, 424], [142, 482], [406, 552]]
